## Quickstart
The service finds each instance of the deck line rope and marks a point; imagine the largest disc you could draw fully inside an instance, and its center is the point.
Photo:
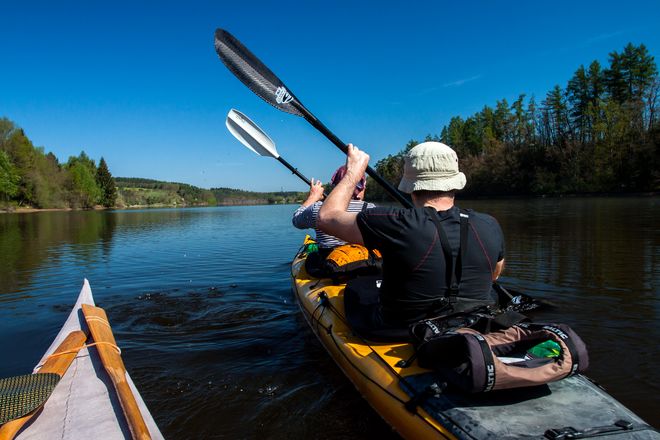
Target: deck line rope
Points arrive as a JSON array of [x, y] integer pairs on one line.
[[77, 349]]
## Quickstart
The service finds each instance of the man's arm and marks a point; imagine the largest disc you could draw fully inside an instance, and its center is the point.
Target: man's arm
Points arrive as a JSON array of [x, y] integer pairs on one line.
[[333, 218], [499, 267]]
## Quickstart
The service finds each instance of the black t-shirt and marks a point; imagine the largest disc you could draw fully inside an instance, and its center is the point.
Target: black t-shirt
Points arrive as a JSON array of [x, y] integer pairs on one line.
[[414, 263]]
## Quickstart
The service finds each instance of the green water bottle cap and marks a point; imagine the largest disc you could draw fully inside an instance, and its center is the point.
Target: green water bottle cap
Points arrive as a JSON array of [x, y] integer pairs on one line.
[[312, 247], [546, 349]]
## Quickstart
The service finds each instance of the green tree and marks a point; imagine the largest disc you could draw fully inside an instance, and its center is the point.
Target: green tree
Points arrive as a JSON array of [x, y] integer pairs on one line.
[[454, 134], [579, 97], [520, 122], [556, 118], [9, 177], [41, 177], [631, 80], [83, 189], [472, 136], [106, 184]]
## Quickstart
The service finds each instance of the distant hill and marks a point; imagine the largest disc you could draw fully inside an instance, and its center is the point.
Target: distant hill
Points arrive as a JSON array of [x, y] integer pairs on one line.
[[135, 191]]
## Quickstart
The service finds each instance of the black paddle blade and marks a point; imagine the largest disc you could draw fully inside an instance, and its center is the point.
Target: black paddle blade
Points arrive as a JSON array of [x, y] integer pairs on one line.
[[254, 74]]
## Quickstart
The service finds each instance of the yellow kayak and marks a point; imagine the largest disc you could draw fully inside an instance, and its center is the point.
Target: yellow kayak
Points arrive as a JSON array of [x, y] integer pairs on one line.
[[394, 392]]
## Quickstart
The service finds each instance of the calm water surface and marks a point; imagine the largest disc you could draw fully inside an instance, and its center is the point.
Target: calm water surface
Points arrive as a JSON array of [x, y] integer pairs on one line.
[[201, 302]]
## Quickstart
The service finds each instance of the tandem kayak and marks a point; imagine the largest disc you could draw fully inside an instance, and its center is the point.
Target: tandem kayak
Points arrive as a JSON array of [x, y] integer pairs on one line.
[[573, 405], [84, 404]]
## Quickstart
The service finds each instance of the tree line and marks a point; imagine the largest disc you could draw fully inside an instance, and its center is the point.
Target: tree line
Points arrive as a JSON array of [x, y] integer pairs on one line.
[[598, 134], [31, 177], [134, 191]]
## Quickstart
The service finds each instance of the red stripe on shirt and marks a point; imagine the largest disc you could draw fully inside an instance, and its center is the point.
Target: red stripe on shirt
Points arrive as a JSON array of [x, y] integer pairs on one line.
[[435, 238], [490, 264]]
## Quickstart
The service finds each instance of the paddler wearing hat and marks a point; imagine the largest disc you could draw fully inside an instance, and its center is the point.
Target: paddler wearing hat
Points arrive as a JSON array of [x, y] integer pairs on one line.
[[423, 275]]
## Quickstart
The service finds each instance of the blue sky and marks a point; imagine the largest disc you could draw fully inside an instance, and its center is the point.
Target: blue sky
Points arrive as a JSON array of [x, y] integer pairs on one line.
[[140, 83]]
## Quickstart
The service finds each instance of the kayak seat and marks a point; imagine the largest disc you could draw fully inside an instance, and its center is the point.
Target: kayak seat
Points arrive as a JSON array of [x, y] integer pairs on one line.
[[314, 263], [363, 311]]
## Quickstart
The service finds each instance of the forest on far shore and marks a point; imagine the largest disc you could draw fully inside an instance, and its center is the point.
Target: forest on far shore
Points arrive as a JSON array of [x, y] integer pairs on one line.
[[32, 178], [598, 134]]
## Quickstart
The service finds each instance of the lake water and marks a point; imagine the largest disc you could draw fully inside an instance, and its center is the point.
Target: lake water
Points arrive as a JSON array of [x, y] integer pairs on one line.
[[201, 303]]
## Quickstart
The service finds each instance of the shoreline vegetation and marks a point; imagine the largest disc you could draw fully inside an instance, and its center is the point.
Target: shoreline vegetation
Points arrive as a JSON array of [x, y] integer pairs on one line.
[[24, 210], [599, 135], [136, 193]]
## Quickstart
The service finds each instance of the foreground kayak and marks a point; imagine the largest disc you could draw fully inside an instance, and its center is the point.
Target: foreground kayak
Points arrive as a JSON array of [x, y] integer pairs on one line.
[[84, 404], [574, 403]]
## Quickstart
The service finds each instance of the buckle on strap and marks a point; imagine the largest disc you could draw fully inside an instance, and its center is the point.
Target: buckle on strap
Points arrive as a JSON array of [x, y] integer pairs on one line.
[[452, 294], [568, 432], [433, 390], [562, 433]]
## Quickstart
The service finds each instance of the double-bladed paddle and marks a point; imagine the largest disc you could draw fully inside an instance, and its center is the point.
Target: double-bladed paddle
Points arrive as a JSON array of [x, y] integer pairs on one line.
[[254, 138], [265, 84]]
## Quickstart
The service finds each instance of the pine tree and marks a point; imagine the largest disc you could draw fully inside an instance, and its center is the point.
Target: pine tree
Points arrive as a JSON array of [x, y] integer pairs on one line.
[[579, 98], [555, 113], [107, 184]]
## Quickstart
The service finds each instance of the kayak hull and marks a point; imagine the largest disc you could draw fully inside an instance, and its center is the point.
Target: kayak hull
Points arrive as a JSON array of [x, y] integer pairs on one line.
[[522, 413], [84, 404]]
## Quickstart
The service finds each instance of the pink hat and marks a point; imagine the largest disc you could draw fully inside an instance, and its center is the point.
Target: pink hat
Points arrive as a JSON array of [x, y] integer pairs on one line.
[[340, 173]]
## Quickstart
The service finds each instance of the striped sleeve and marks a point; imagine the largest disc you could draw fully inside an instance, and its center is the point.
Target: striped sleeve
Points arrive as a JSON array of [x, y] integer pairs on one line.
[[329, 241], [305, 216]]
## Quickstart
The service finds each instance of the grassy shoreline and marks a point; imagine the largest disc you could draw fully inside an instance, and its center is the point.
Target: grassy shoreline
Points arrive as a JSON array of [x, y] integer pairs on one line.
[[26, 210]]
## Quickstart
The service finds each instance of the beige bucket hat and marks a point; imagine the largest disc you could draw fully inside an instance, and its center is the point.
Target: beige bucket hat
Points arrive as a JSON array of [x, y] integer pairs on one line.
[[431, 166]]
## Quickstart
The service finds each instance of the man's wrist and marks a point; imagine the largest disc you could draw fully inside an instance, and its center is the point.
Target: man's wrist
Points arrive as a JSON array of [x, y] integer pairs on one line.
[[352, 176], [308, 202]]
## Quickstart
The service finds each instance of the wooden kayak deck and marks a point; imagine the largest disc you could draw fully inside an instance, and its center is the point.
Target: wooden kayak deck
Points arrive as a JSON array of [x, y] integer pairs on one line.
[[84, 404]]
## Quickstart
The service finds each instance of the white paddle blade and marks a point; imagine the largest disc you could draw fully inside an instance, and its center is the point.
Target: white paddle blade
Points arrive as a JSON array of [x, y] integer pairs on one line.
[[250, 135]]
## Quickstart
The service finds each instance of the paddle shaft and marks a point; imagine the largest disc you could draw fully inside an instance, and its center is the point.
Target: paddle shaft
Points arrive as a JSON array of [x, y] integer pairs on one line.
[[58, 365], [252, 72], [309, 117], [296, 172], [99, 327]]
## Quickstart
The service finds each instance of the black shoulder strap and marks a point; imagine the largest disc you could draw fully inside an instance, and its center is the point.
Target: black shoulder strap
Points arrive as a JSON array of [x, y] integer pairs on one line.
[[453, 272], [575, 354], [489, 363]]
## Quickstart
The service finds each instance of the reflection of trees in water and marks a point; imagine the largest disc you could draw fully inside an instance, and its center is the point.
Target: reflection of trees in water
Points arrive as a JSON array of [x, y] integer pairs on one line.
[[10, 240], [588, 244], [30, 241]]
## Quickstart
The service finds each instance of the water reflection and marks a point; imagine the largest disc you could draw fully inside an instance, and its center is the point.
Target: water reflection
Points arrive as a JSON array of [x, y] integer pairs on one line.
[[29, 242], [200, 300]]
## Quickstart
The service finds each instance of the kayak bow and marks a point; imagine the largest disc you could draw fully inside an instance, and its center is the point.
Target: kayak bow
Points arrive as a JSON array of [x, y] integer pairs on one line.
[[84, 404]]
